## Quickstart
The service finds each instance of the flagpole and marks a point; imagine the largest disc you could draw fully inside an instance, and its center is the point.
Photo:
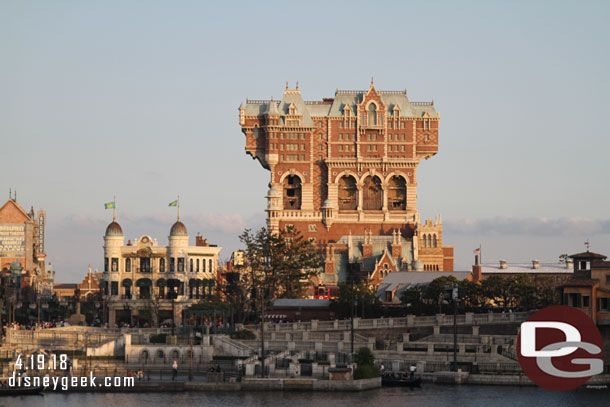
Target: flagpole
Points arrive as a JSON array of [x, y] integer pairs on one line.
[[114, 209], [480, 254], [178, 207]]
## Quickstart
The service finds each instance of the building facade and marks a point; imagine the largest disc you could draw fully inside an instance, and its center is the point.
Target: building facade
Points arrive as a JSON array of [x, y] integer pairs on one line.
[[589, 288], [145, 283], [343, 171], [22, 241]]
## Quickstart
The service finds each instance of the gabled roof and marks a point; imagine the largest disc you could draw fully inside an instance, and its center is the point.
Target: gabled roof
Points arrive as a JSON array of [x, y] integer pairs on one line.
[[12, 206], [588, 255]]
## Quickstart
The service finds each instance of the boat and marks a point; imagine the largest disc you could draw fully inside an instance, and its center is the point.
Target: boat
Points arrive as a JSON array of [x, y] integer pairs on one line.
[[396, 380]]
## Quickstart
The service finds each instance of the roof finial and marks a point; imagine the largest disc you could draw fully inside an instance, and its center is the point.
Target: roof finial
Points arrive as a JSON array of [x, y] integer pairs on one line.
[[372, 82], [15, 196], [286, 85], [297, 85], [10, 194]]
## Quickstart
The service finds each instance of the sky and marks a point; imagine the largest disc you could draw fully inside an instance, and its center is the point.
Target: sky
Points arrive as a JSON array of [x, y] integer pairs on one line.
[[138, 100]]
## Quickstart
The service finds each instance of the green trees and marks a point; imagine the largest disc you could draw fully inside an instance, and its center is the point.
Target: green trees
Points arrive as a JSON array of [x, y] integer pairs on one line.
[[363, 294], [281, 264], [518, 291]]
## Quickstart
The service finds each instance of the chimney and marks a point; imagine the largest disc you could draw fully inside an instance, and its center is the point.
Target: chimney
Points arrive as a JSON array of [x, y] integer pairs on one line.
[[535, 264], [503, 264]]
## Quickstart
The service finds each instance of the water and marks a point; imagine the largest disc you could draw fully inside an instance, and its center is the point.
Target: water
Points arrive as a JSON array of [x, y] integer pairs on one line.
[[429, 396]]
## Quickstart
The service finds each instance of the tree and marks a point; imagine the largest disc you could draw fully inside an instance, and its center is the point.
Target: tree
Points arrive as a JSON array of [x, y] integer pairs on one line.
[[280, 263], [363, 293]]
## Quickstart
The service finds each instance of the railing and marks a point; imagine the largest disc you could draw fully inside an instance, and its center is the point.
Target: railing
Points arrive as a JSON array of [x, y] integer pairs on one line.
[[409, 321]]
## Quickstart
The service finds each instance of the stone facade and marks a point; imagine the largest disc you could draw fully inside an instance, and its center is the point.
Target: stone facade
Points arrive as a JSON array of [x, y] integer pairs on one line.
[[22, 240], [139, 277], [344, 169]]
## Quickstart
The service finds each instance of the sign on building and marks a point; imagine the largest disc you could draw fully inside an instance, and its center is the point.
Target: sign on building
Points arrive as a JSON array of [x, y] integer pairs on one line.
[[12, 240]]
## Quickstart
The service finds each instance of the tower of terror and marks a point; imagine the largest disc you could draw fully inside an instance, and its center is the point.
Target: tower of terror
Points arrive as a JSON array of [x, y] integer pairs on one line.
[[343, 171]]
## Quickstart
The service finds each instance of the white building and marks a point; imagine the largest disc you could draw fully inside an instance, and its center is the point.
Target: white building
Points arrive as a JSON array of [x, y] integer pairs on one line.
[[140, 277]]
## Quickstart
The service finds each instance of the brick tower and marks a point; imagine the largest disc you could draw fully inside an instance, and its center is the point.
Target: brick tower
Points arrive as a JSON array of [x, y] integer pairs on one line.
[[343, 171]]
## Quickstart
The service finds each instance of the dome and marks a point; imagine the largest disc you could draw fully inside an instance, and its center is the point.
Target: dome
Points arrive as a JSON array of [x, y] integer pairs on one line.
[[114, 229], [178, 229], [418, 265]]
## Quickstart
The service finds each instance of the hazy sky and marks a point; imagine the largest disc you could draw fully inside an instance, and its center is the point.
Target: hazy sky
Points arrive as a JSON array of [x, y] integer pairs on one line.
[[139, 99]]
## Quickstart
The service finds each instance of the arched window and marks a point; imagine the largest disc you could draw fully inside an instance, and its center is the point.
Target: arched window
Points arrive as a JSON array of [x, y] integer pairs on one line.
[[203, 265], [197, 265], [372, 116], [424, 240], [397, 194], [210, 266], [373, 194], [292, 192], [162, 265], [434, 241], [191, 265], [128, 265], [348, 193]]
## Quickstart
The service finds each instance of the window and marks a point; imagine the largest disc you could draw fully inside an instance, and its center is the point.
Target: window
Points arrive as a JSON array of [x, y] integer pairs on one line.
[[427, 124], [585, 301], [313, 227], [372, 115], [426, 138], [340, 136], [292, 192], [402, 148], [210, 266], [191, 269], [397, 194], [115, 264], [172, 264], [389, 137], [127, 265], [348, 193], [180, 264], [402, 125], [340, 147], [145, 265], [372, 194], [302, 147], [321, 147], [105, 263], [114, 288], [340, 125], [161, 265], [434, 241], [197, 265], [203, 265]]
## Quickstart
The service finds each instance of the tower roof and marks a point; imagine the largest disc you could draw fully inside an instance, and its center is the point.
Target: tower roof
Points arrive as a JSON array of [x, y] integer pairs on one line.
[[114, 229], [178, 229]]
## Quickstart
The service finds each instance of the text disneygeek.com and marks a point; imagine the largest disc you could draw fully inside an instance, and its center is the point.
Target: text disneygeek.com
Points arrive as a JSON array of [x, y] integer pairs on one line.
[[66, 382]]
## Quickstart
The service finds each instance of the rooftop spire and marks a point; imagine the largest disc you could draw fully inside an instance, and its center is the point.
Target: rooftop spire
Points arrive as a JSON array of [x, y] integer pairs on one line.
[[372, 82]]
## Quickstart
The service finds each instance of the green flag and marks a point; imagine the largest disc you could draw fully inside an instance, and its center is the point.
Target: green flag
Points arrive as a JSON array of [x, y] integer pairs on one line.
[[109, 205], [175, 203]]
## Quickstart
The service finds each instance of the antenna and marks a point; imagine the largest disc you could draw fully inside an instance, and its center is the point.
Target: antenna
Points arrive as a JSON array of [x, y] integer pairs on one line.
[[587, 244]]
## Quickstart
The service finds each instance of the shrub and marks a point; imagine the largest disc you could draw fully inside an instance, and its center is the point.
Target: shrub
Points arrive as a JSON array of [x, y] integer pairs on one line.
[[158, 338], [366, 372], [244, 334], [364, 356]]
